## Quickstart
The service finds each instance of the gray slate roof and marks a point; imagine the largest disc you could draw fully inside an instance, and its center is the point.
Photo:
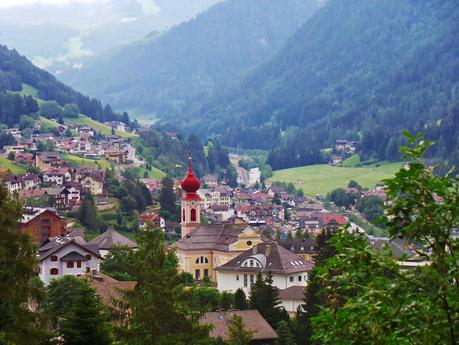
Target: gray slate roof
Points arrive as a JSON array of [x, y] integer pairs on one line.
[[111, 238]]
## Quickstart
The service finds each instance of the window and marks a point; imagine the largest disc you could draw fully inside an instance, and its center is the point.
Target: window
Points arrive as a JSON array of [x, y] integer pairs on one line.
[[69, 264], [237, 277], [193, 214], [53, 257], [88, 257], [291, 279], [249, 243], [299, 278], [79, 264], [88, 269], [54, 271], [206, 260], [251, 279], [206, 273], [197, 274], [197, 261], [245, 280], [251, 263], [183, 215]]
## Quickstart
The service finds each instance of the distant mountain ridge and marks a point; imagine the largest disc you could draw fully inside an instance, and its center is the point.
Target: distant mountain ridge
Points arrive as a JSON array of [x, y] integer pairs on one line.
[[356, 68], [165, 75]]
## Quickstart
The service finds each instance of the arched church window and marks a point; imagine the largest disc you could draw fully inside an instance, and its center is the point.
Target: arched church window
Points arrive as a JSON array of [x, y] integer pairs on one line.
[[183, 214], [193, 214]]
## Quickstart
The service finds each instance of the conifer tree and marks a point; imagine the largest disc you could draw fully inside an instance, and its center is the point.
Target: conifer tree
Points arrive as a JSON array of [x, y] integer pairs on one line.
[[238, 335], [159, 311], [284, 334], [18, 324], [87, 214], [240, 300], [167, 199]]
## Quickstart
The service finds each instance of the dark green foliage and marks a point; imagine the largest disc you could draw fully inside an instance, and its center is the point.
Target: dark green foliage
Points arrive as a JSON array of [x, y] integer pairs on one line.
[[16, 70], [371, 207], [167, 199], [186, 279], [378, 62], [87, 214], [208, 53], [77, 312], [159, 310], [6, 139], [206, 299], [118, 263], [238, 335], [382, 302], [314, 298], [342, 198], [240, 300], [264, 297], [285, 336], [355, 184], [227, 300], [18, 324]]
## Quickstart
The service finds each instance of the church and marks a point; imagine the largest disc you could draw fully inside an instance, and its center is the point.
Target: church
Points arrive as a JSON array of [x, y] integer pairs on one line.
[[204, 247]]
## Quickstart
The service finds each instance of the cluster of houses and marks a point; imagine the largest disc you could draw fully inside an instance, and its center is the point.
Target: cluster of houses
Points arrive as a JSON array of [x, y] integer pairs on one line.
[[342, 150], [85, 143]]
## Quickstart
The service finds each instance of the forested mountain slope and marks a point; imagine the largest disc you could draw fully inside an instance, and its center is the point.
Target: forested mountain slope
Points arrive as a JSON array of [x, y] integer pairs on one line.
[[17, 70], [165, 74], [357, 68]]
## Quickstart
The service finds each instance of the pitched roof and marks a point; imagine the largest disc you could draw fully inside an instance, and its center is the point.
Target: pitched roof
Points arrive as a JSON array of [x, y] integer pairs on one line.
[[252, 320], [108, 288], [57, 243], [111, 238], [211, 236], [271, 256], [300, 246], [295, 293]]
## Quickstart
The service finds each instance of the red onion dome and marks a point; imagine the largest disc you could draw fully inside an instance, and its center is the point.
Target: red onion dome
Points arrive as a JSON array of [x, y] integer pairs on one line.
[[190, 183]]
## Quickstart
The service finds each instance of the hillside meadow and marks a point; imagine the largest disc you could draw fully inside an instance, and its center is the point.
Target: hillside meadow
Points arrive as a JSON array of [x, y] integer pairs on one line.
[[322, 179]]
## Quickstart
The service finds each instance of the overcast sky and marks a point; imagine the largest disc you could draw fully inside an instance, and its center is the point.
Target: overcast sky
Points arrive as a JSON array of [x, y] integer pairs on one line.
[[53, 32]]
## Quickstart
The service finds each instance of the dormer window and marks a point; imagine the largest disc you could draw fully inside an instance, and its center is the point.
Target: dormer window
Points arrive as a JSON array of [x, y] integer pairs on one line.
[[53, 258]]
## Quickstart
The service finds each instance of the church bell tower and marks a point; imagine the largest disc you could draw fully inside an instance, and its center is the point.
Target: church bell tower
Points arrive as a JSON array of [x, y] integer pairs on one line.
[[191, 202]]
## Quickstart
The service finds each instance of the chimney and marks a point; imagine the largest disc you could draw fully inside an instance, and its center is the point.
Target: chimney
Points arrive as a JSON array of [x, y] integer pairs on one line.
[[268, 250]]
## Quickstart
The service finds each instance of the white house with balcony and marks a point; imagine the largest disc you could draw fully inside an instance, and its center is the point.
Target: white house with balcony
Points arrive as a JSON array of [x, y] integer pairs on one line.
[[287, 268], [62, 256]]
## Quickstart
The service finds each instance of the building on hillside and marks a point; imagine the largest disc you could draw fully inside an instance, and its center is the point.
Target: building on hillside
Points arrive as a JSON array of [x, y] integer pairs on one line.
[[260, 214], [16, 183], [93, 181], [210, 180], [62, 256], [117, 125], [109, 239], [66, 198], [86, 132], [24, 158], [302, 247], [109, 290], [346, 146], [57, 176], [215, 196], [151, 218], [41, 223], [335, 160], [287, 268], [292, 298], [202, 247], [16, 149], [47, 160], [263, 333], [248, 178]]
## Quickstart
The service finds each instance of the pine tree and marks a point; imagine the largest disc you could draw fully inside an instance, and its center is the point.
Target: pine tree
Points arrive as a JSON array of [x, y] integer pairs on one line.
[[159, 310], [264, 297], [284, 334], [18, 324], [238, 335], [167, 198], [77, 312], [313, 298], [87, 214], [240, 300]]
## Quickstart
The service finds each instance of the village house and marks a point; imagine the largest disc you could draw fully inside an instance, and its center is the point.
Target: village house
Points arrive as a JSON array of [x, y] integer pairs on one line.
[[62, 256], [93, 180], [336, 160], [16, 149], [263, 333], [260, 214], [345, 146], [210, 181], [117, 125], [57, 176], [109, 239], [146, 218], [86, 132], [303, 247], [47, 160], [41, 223], [248, 178], [65, 198], [287, 268], [292, 298], [18, 182], [28, 144], [24, 158], [15, 132], [216, 196]]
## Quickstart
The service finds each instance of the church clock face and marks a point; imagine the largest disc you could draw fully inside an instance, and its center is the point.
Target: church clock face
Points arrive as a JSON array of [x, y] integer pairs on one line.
[[193, 203]]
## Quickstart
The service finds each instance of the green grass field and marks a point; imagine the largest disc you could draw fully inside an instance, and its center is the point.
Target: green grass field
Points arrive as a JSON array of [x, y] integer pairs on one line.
[[321, 179], [154, 173], [104, 129], [9, 165], [88, 163], [29, 90]]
